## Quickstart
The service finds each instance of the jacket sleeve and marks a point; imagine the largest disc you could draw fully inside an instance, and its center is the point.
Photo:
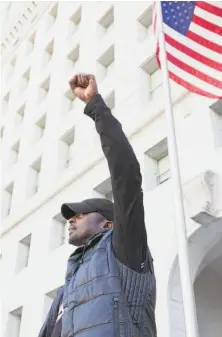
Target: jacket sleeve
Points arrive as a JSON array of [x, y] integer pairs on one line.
[[129, 232]]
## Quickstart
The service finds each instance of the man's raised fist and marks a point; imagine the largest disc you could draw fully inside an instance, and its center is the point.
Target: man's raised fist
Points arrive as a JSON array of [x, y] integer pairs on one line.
[[84, 86]]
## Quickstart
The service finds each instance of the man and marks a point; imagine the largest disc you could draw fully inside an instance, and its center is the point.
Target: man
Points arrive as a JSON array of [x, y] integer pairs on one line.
[[110, 285]]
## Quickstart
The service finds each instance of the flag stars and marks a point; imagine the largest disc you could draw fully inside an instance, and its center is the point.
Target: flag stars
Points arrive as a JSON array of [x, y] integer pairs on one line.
[[178, 14]]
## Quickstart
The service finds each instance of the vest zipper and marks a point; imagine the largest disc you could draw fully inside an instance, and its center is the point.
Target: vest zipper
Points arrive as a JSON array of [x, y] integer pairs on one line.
[[82, 256], [81, 260], [116, 316]]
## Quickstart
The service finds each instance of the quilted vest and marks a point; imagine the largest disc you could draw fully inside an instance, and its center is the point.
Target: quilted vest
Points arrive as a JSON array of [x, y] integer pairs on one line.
[[103, 297]]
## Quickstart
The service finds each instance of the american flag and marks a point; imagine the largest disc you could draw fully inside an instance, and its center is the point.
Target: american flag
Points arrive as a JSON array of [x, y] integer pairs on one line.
[[193, 38]]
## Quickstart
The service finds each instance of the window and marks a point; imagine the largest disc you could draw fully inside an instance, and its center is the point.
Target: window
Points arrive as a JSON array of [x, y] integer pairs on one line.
[[10, 68], [49, 49], [19, 115], [32, 38], [70, 100], [105, 63], [68, 147], [40, 127], [74, 21], [217, 107], [106, 22], [110, 101], [30, 43], [163, 169], [14, 323], [104, 190], [27, 75], [13, 61], [157, 165], [52, 16], [23, 253], [153, 77], [5, 103], [14, 153], [49, 298], [7, 199], [44, 89], [216, 122], [34, 177], [145, 24], [54, 11], [73, 57], [58, 231], [25, 80], [2, 132]]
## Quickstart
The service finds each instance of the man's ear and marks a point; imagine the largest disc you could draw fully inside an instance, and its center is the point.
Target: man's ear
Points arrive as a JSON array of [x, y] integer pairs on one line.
[[108, 224]]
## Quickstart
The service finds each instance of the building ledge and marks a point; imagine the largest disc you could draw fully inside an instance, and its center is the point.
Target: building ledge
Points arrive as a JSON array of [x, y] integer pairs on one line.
[[204, 218], [203, 197]]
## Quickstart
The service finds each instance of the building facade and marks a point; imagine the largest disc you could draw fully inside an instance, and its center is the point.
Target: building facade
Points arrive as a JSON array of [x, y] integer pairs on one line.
[[51, 154]]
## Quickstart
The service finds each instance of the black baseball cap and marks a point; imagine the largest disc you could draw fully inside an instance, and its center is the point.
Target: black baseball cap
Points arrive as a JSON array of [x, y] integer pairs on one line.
[[102, 206]]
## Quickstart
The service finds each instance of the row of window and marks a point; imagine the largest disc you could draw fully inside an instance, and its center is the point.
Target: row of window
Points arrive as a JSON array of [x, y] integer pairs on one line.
[[156, 158], [57, 238], [105, 67], [15, 317], [156, 162], [66, 155], [39, 127], [103, 190], [153, 81], [105, 63]]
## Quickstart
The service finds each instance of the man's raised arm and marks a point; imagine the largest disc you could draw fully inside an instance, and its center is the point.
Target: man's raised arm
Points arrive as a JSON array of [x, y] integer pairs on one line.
[[129, 232]]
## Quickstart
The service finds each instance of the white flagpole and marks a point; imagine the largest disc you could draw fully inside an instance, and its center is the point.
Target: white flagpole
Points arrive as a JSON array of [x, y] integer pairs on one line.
[[180, 223]]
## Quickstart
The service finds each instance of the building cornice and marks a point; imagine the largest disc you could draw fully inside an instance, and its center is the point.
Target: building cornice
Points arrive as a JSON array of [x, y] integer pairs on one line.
[[22, 26]]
